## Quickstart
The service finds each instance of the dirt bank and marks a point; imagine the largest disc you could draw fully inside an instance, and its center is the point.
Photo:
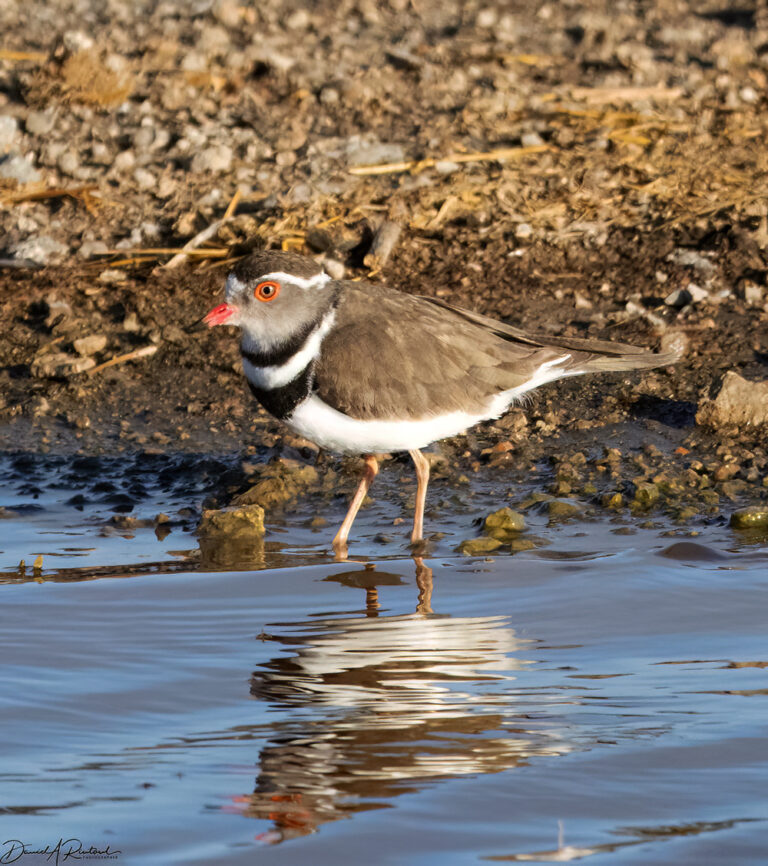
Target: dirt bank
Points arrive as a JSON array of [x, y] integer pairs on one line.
[[584, 169]]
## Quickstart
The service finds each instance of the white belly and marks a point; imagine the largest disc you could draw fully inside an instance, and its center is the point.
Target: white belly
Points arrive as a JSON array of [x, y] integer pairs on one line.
[[331, 429], [335, 431]]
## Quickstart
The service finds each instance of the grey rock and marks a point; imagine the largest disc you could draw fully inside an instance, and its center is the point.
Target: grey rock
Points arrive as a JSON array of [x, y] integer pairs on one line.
[[739, 402], [131, 323], [112, 276], [144, 179], [41, 122], [90, 345], [124, 161], [531, 139], [9, 132], [753, 294], [373, 153], [14, 166], [691, 259], [216, 159], [678, 299], [69, 162], [697, 293], [60, 364], [101, 154], [76, 41], [89, 249], [42, 249], [523, 230], [446, 166]]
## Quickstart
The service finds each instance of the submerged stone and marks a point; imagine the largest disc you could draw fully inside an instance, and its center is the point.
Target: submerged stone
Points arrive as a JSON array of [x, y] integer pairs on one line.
[[518, 544], [646, 495], [232, 536], [479, 546], [559, 510], [504, 523], [755, 517], [279, 483], [242, 519], [613, 500]]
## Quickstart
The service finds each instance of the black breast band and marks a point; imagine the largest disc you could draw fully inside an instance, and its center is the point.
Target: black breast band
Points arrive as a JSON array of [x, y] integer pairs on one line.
[[281, 402]]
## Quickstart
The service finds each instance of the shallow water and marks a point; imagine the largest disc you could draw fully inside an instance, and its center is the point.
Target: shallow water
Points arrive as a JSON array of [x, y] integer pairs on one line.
[[602, 697]]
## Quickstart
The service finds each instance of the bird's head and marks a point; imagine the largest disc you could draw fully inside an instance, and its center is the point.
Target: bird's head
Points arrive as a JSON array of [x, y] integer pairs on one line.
[[272, 296]]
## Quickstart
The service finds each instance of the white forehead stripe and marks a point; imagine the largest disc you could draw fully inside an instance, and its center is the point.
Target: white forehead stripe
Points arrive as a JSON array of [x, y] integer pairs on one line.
[[316, 282], [234, 285]]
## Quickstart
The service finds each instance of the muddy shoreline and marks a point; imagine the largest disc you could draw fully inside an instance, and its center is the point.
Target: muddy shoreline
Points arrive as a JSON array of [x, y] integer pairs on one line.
[[566, 169]]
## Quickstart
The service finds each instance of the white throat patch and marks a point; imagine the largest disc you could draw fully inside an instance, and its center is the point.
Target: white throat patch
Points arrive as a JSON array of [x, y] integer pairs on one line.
[[277, 375]]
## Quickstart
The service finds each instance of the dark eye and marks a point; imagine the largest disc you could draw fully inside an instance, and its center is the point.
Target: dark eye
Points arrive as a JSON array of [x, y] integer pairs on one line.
[[267, 291]]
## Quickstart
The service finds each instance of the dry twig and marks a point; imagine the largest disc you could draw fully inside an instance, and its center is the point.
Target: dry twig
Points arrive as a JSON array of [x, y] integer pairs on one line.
[[417, 165], [143, 352], [205, 235]]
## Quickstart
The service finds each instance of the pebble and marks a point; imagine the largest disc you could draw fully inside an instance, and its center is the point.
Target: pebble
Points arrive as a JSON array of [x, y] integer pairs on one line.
[[679, 298], [9, 132], [559, 510], [227, 12], [753, 294], [76, 41], [112, 276], [334, 268], [531, 139], [60, 364], [503, 523], [373, 153], [755, 517], [41, 122], [479, 546], [68, 162], [216, 159], [89, 249], [739, 402], [697, 293], [523, 230], [646, 495], [144, 178], [90, 345], [17, 167], [124, 161], [42, 250], [131, 323], [691, 259]]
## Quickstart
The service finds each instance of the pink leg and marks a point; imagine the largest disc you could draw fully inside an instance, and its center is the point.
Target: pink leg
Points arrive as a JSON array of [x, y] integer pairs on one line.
[[422, 476], [370, 472]]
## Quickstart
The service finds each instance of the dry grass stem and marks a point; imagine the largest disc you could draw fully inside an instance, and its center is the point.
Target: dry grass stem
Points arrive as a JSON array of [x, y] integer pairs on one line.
[[417, 165], [143, 352], [205, 235]]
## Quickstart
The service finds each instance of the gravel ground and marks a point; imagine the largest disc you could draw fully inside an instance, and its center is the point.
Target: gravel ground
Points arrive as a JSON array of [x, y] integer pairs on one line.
[[587, 168]]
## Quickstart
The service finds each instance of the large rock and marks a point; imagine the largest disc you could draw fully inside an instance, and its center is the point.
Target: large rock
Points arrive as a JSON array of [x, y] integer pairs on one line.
[[504, 524], [241, 520], [754, 517], [739, 403], [279, 482], [232, 537]]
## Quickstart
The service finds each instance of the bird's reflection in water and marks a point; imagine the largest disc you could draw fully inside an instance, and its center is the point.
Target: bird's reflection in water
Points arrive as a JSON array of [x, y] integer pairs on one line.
[[382, 704]]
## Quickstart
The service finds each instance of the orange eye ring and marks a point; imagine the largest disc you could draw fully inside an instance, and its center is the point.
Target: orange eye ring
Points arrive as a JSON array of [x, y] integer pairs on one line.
[[266, 291]]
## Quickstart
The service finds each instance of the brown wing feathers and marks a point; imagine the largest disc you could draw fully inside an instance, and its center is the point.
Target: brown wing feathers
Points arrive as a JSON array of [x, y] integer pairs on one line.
[[605, 355], [398, 356]]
